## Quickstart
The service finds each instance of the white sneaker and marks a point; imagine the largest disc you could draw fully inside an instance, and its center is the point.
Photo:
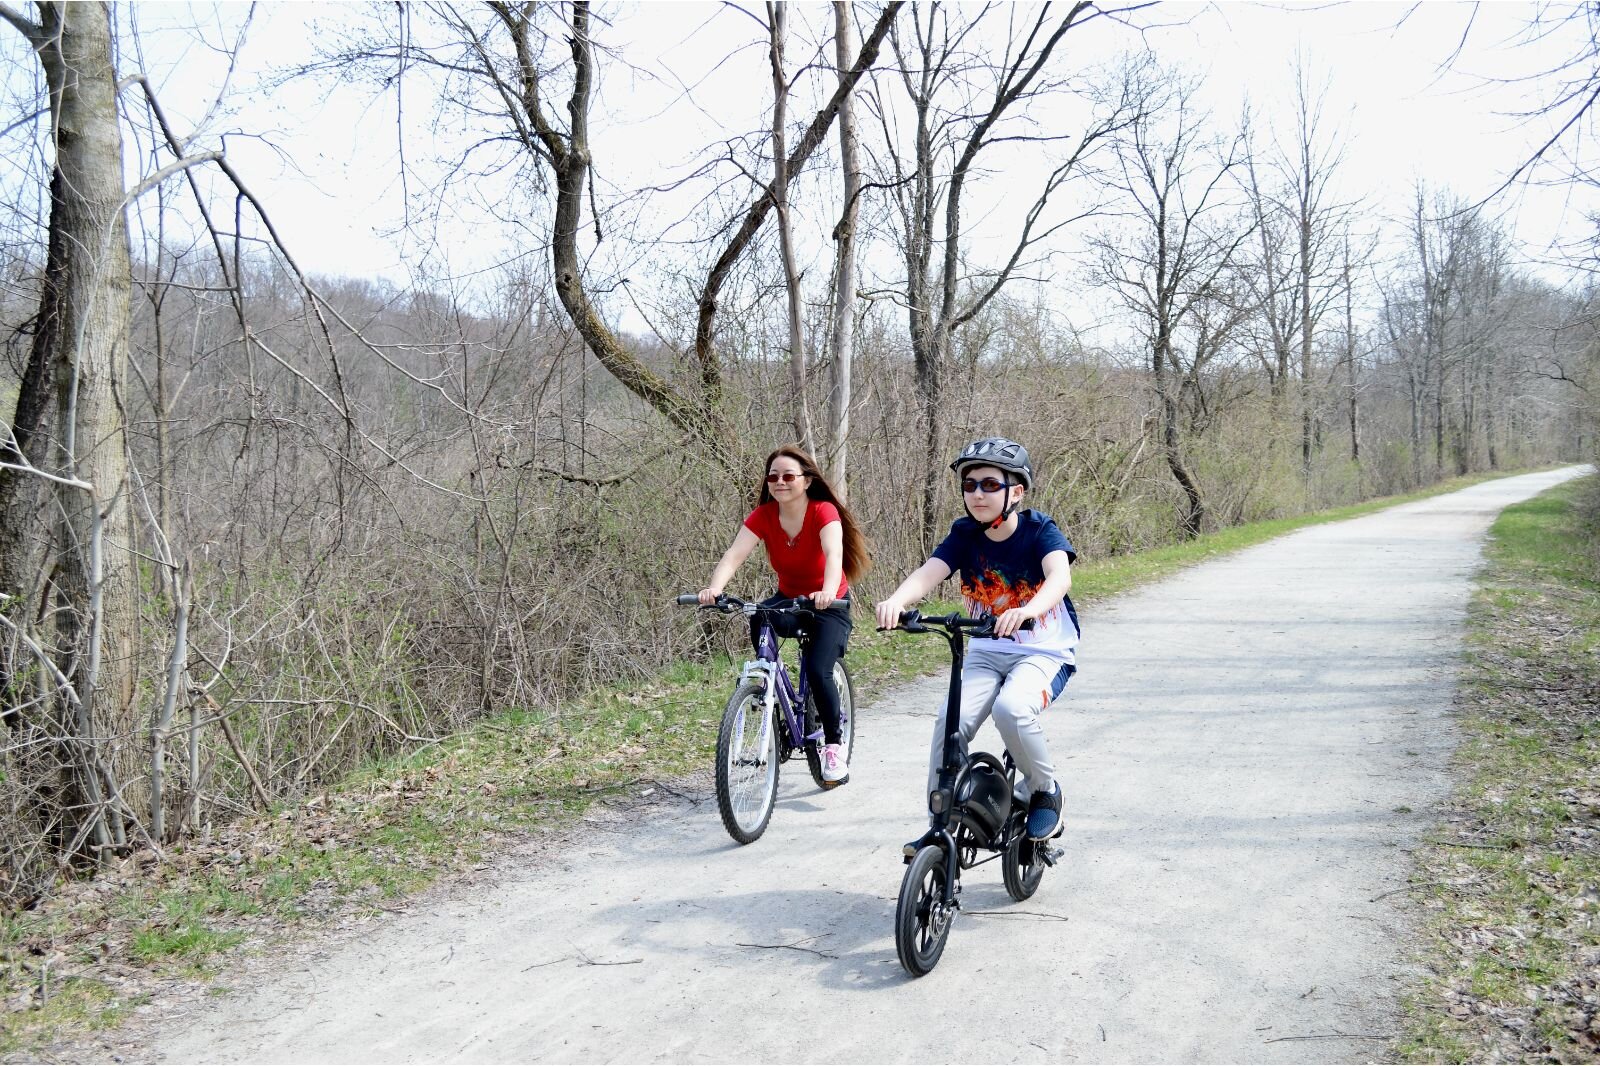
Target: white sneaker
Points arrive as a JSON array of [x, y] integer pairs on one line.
[[835, 770]]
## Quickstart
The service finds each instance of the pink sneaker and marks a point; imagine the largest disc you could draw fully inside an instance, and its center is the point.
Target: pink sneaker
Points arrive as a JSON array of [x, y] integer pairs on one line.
[[835, 770]]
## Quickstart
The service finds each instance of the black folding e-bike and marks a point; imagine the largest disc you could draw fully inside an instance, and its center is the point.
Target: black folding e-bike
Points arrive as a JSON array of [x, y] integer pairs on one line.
[[972, 810]]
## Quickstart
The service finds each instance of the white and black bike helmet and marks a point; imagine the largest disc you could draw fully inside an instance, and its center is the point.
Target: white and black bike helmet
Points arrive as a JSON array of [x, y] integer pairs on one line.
[[1000, 453], [1005, 455]]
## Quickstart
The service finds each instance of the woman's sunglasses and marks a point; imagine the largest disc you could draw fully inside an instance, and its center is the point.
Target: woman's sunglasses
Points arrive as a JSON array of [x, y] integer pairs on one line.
[[972, 484], [773, 479]]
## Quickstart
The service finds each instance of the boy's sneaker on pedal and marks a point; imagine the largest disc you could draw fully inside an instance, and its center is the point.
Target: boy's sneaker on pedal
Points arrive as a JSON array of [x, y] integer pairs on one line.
[[835, 770], [1044, 813]]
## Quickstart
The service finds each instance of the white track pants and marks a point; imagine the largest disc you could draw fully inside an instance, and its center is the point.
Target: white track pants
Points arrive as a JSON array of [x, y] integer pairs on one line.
[[1015, 687]]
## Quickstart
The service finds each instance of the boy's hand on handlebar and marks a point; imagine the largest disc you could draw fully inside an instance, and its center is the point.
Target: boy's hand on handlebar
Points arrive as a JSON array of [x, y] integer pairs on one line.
[[888, 612], [822, 599], [1011, 621]]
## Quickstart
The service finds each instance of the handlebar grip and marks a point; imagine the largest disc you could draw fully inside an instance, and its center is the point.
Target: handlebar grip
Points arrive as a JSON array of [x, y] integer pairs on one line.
[[911, 622], [689, 599]]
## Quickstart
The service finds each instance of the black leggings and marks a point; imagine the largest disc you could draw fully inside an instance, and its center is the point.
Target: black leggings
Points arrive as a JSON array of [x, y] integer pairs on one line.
[[827, 634]]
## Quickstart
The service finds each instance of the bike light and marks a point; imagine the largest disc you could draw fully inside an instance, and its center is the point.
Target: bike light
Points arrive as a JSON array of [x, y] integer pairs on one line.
[[939, 800]]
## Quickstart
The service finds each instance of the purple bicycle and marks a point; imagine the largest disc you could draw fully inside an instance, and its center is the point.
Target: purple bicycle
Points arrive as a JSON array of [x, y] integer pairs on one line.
[[767, 720]]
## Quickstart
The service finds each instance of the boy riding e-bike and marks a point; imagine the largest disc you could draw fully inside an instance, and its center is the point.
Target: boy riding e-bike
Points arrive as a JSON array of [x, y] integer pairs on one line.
[[1015, 564]]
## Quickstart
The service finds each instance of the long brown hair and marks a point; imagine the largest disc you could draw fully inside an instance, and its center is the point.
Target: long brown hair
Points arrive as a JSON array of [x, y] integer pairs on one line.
[[857, 557]]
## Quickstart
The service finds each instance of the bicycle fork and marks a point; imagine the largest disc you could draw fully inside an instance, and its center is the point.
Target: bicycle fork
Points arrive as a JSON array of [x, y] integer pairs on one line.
[[765, 673]]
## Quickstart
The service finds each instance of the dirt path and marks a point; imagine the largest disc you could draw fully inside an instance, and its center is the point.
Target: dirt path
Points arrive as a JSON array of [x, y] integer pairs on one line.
[[1248, 753]]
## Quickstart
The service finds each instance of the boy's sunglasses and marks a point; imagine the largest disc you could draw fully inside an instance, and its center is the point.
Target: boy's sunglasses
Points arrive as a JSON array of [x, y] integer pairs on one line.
[[988, 484], [773, 479]]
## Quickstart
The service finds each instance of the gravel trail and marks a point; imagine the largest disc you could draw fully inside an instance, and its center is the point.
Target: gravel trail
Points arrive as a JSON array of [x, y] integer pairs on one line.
[[1249, 752]]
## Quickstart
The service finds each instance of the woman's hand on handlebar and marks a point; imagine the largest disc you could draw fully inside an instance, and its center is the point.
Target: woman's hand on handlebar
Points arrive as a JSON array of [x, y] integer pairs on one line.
[[708, 597], [822, 599]]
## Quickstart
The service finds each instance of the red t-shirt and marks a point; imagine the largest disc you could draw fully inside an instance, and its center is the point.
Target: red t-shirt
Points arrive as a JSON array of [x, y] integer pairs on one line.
[[799, 564]]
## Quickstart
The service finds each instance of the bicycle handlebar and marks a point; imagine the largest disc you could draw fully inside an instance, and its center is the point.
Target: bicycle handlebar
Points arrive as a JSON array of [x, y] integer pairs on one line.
[[914, 622], [729, 604]]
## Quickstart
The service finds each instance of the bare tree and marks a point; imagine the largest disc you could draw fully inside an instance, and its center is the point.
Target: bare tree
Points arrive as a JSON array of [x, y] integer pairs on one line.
[[1351, 360], [1298, 229], [962, 103], [506, 62], [80, 349], [1170, 264]]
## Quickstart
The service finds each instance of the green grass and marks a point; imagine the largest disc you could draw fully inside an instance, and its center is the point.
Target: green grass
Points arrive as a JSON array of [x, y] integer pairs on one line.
[[188, 941], [400, 823], [1515, 867]]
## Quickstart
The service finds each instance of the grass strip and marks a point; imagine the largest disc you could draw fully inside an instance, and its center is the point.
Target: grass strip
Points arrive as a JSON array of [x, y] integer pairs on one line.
[[80, 961], [1510, 880]]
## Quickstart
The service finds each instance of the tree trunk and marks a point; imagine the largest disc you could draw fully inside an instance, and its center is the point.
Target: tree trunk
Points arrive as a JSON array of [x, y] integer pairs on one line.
[[929, 345], [23, 534], [1438, 424], [1171, 438], [844, 289], [1350, 358], [780, 202], [86, 306], [570, 159], [1488, 410], [1414, 394], [1305, 332]]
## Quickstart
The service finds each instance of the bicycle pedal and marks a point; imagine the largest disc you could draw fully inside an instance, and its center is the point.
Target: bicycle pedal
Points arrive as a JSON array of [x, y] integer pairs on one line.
[[1047, 854]]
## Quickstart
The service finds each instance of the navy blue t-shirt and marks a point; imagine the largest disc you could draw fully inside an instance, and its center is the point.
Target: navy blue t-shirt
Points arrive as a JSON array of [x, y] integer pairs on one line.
[[999, 575]]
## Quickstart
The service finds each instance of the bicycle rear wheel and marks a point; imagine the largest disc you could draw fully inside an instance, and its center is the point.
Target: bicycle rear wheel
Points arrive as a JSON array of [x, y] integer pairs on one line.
[[747, 764], [921, 919], [1022, 868], [847, 724]]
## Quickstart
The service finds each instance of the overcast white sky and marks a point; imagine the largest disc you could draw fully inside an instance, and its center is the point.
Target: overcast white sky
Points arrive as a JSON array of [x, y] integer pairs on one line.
[[327, 161]]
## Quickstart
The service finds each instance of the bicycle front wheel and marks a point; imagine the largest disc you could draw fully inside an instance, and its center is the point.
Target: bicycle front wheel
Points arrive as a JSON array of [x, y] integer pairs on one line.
[[747, 764], [922, 919]]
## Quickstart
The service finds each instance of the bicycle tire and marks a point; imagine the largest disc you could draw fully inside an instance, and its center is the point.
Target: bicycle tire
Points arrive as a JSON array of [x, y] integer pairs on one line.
[[921, 926], [1021, 879], [847, 726], [747, 764]]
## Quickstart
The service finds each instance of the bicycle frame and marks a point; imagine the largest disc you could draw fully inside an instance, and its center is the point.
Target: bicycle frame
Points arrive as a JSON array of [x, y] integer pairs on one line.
[[769, 669], [956, 761]]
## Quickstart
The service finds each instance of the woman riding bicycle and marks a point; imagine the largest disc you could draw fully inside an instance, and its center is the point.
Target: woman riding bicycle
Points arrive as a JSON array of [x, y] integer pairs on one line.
[[816, 549]]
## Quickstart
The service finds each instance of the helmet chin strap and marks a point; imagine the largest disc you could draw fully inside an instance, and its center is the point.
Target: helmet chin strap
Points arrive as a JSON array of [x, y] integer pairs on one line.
[[1006, 508]]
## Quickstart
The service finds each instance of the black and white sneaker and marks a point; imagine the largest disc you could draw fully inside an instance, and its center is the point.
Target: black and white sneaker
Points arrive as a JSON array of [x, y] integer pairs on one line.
[[1044, 813]]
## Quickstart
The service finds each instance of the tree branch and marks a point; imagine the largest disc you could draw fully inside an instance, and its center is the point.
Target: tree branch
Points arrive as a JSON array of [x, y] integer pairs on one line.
[[710, 371], [174, 167], [23, 25]]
